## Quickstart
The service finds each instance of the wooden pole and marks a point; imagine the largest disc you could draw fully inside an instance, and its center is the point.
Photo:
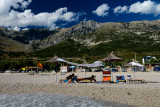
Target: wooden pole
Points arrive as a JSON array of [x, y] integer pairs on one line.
[[85, 72], [134, 73], [135, 56], [56, 77]]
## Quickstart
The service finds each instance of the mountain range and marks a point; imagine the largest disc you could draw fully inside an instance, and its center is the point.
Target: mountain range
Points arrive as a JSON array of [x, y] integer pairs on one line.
[[86, 38]]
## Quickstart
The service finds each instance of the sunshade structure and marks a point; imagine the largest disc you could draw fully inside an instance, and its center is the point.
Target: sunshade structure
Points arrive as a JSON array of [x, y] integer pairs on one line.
[[135, 65], [72, 67], [92, 65], [139, 66], [60, 60], [56, 60], [112, 58]]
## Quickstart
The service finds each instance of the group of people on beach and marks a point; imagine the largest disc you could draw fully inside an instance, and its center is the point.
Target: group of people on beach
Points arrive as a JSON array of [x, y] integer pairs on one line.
[[72, 78]]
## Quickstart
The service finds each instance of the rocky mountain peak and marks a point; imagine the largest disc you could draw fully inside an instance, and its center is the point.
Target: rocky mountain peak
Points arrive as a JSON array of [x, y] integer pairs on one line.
[[91, 25], [88, 33]]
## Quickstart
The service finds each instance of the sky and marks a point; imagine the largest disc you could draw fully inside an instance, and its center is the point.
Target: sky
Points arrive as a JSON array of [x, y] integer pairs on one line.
[[52, 14]]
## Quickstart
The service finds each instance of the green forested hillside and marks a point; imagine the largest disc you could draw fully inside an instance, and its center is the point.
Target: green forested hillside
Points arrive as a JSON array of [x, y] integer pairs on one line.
[[125, 48]]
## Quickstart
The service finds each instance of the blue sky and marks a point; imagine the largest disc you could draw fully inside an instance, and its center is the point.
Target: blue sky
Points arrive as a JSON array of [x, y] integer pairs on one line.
[[51, 14]]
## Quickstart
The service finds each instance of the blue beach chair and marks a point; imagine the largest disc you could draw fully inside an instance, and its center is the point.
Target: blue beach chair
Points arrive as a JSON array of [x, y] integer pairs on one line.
[[121, 78]]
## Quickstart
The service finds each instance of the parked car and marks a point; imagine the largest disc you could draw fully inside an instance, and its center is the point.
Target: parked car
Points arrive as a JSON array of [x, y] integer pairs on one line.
[[86, 70], [98, 70], [156, 69], [114, 70], [124, 70], [8, 71]]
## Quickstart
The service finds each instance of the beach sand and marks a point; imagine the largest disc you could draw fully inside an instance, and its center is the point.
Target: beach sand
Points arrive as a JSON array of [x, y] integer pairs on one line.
[[135, 94]]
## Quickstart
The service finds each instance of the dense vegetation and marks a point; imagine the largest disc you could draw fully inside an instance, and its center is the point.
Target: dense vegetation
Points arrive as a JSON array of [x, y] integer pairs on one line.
[[71, 49], [17, 63], [123, 48]]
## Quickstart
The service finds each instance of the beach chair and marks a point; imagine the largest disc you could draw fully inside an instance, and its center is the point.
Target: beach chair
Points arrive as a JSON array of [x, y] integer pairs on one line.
[[88, 79], [121, 78], [106, 76], [31, 72]]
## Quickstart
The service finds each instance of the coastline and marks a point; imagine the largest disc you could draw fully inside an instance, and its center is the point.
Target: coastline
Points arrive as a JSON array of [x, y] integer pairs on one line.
[[135, 94]]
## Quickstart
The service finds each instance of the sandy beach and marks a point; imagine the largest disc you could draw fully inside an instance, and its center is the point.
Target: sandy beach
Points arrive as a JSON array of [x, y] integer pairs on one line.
[[135, 94]]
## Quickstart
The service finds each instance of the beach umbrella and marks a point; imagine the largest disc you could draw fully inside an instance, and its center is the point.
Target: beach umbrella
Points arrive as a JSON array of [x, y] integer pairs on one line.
[[134, 64], [112, 58], [72, 67]]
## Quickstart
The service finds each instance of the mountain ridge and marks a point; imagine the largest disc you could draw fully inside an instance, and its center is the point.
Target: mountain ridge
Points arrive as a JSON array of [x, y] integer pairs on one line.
[[92, 34]]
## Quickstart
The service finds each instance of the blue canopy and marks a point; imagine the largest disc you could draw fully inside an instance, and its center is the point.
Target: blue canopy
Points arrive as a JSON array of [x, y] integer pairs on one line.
[[72, 67]]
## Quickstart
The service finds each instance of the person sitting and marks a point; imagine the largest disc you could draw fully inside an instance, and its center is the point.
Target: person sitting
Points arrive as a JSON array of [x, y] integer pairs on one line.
[[69, 78]]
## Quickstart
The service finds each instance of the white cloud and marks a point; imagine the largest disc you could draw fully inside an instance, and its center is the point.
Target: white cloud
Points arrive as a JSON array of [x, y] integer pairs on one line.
[[15, 19], [146, 7], [5, 5], [102, 10], [120, 9]]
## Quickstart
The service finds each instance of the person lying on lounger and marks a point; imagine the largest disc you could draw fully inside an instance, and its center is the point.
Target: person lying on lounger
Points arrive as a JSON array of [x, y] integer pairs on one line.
[[69, 78], [92, 78]]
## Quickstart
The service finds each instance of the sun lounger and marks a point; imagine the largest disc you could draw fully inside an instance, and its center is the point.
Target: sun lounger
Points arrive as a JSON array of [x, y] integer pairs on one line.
[[136, 80], [88, 79]]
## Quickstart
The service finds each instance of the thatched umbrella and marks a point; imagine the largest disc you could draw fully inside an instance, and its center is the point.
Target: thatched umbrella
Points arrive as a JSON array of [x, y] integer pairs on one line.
[[112, 58]]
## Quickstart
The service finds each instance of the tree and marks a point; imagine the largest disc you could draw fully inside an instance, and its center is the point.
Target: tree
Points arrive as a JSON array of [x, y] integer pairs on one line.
[[4, 65]]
